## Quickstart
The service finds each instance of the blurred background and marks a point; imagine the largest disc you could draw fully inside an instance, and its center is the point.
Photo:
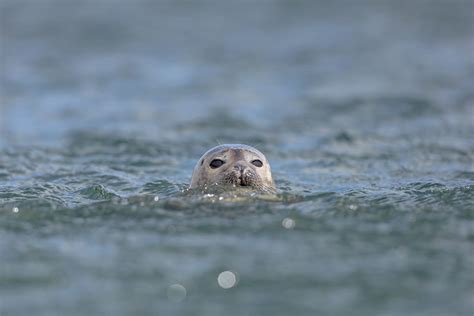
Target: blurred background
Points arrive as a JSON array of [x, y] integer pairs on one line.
[[153, 69], [365, 110]]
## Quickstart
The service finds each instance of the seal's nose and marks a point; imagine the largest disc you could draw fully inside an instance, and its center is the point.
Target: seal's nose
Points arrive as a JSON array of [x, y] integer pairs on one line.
[[239, 167]]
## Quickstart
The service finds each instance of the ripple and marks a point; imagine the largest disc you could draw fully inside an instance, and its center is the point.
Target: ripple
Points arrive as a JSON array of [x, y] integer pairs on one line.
[[97, 192], [47, 191], [161, 187]]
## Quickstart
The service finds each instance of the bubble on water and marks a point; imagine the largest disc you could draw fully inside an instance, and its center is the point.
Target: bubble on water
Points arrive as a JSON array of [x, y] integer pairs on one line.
[[353, 207], [176, 292], [288, 223], [156, 198], [15, 210], [227, 279]]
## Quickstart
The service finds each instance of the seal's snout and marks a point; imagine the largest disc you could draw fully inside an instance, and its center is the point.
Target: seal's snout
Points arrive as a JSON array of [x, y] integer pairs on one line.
[[244, 176], [240, 168], [238, 174]]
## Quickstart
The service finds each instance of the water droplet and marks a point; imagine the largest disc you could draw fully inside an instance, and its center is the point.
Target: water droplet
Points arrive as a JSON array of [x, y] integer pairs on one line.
[[15, 210], [156, 198], [176, 292], [227, 279], [288, 223]]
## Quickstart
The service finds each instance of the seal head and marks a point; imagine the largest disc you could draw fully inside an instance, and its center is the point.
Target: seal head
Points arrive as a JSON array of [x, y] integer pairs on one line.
[[234, 165]]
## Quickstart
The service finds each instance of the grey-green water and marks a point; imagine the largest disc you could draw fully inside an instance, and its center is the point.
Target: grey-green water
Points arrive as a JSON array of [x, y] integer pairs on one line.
[[365, 110]]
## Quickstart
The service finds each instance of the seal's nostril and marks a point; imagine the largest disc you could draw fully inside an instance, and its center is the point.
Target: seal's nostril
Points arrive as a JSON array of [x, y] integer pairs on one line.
[[239, 167]]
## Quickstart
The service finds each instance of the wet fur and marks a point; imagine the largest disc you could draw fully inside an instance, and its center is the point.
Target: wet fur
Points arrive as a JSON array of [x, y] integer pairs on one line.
[[243, 175], [249, 178]]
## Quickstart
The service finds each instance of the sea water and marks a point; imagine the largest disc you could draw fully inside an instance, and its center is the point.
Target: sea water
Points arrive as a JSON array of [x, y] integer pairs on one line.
[[365, 110]]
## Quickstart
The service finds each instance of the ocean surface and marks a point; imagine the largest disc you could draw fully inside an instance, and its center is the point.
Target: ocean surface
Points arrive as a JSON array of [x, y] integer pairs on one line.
[[365, 110]]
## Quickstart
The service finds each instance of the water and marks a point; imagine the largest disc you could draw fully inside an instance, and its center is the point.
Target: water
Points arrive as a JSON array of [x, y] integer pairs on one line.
[[365, 110]]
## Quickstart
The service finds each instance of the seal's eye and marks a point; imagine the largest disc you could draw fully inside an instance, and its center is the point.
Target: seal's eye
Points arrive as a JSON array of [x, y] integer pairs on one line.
[[216, 163], [257, 163]]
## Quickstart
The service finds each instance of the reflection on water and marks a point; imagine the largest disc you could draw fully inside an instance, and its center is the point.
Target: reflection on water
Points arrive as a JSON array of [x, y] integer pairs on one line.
[[365, 111]]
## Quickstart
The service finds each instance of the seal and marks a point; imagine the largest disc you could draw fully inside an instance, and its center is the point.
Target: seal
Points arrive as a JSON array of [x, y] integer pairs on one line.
[[234, 165]]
